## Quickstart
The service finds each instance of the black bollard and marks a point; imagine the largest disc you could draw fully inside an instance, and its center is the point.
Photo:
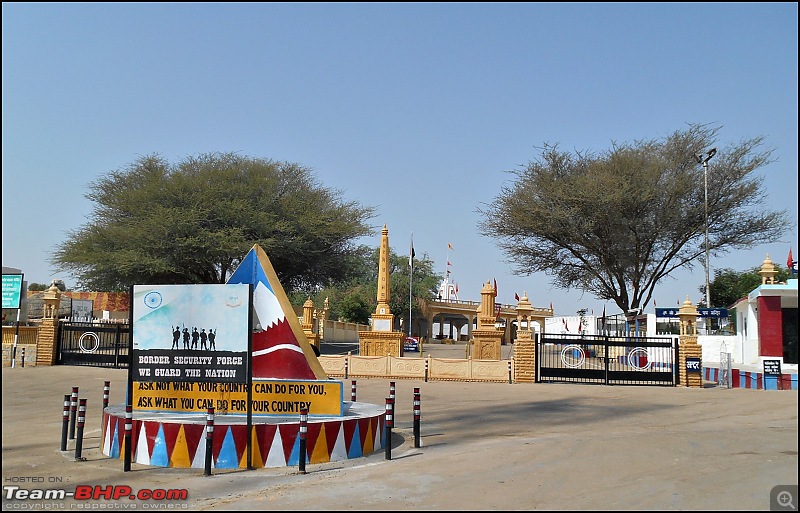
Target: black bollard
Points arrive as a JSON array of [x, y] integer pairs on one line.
[[426, 370], [353, 391], [509, 372], [416, 417], [345, 367], [65, 423], [391, 395], [73, 412], [303, 431], [209, 440], [388, 429], [81, 423], [106, 387], [126, 464], [22, 363]]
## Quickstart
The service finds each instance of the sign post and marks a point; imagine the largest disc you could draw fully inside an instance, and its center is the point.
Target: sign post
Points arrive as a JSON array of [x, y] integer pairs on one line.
[[82, 310], [12, 292], [693, 366], [772, 369]]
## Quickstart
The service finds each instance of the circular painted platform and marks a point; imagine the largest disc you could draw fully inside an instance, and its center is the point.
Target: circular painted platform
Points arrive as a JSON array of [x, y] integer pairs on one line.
[[176, 440]]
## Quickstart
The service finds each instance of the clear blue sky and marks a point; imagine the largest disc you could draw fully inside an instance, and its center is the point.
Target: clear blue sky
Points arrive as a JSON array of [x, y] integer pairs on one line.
[[418, 109]]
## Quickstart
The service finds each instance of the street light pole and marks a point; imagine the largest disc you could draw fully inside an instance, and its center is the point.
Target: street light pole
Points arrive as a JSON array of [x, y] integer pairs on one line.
[[703, 159]]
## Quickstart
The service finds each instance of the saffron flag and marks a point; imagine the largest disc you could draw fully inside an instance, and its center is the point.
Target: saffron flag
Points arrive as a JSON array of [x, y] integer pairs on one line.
[[603, 323], [411, 254], [495, 287], [551, 306], [565, 324], [790, 261], [516, 296], [456, 288], [449, 246]]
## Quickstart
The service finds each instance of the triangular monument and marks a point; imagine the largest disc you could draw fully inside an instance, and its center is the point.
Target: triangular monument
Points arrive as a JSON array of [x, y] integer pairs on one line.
[[280, 348]]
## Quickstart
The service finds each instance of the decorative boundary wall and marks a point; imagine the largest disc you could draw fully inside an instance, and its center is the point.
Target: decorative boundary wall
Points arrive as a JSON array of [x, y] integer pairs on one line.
[[753, 380], [27, 334], [438, 369], [181, 443], [29, 352], [496, 371]]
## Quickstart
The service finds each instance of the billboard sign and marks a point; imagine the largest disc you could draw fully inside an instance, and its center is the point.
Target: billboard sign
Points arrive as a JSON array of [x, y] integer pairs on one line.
[[190, 333]]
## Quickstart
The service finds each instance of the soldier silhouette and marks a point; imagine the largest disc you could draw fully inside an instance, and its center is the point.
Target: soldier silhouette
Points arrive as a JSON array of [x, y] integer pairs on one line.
[[186, 338], [176, 336], [203, 339], [212, 337], [195, 337]]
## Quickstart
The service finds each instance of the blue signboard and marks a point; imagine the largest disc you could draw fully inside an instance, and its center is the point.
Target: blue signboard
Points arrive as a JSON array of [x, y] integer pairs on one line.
[[719, 313], [693, 365], [12, 290]]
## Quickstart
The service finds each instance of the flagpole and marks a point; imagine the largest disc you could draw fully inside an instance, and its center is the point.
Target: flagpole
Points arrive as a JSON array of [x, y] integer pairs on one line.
[[410, 281], [447, 273]]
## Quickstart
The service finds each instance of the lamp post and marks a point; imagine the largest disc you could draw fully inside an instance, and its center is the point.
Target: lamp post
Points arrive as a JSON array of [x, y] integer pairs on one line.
[[703, 159]]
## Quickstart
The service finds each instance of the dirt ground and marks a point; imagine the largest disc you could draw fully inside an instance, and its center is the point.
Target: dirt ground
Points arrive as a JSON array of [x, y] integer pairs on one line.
[[484, 447]]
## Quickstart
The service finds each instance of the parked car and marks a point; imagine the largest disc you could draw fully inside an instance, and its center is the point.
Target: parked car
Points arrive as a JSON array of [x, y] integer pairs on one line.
[[411, 344]]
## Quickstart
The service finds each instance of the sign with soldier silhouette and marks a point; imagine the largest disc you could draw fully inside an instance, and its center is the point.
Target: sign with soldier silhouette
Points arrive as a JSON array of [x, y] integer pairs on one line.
[[194, 333]]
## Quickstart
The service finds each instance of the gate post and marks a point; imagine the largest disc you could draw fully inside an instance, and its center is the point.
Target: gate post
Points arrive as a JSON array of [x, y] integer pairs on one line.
[[117, 339], [690, 357], [524, 345], [48, 331]]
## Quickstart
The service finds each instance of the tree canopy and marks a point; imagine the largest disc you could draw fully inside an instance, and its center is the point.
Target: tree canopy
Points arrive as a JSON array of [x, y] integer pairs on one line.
[[192, 222], [616, 223]]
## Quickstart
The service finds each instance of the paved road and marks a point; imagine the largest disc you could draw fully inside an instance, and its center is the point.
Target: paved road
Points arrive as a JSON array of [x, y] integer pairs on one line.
[[484, 446]]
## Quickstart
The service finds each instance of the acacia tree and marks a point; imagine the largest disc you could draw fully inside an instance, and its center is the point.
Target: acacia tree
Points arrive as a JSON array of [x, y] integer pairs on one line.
[[192, 222], [618, 222]]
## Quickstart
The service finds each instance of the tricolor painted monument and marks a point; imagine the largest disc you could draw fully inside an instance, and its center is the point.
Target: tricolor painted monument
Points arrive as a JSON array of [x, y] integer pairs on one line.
[[238, 348], [280, 348]]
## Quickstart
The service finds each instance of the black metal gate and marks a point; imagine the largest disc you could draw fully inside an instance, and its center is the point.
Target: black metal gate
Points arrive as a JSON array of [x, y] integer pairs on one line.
[[96, 345], [608, 360]]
